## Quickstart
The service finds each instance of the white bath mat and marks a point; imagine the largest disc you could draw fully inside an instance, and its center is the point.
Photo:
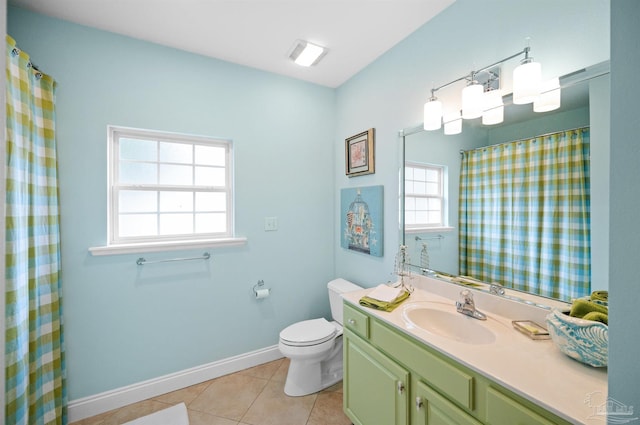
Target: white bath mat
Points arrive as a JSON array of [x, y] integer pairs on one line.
[[174, 415]]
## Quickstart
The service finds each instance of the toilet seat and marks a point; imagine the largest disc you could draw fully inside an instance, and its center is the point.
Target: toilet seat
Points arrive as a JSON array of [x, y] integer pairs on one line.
[[308, 332]]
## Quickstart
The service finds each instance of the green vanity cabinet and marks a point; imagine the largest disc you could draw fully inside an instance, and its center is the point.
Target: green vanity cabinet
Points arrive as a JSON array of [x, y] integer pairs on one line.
[[375, 387], [433, 409], [391, 378]]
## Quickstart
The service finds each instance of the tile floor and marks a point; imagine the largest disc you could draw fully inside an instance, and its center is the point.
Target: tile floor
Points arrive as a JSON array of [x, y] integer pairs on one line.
[[253, 396]]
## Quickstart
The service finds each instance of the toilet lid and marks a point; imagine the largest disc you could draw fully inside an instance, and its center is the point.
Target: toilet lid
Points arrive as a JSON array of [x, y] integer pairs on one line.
[[308, 332]]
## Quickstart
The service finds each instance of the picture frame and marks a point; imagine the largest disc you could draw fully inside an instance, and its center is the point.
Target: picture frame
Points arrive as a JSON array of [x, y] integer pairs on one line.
[[360, 153]]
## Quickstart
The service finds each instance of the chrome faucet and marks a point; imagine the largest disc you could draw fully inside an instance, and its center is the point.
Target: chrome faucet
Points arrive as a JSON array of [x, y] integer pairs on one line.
[[467, 306], [496, 289]]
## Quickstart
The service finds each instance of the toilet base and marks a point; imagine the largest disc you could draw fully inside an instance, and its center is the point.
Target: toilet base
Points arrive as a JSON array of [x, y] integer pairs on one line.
[[307, 377]]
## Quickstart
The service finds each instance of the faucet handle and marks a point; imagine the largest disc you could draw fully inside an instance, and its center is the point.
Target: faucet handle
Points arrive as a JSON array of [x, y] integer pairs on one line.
[[496, 288], [466, 296]]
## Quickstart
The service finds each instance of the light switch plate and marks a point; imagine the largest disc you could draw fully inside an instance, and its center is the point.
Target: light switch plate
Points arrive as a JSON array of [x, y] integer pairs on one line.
[[270, 224]]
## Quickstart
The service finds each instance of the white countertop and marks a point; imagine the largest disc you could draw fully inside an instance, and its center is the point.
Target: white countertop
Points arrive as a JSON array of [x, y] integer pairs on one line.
[[534, 369]]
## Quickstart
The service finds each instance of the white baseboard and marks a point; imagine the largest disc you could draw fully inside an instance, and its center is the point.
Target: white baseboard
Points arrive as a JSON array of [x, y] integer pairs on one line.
[[114, 399]]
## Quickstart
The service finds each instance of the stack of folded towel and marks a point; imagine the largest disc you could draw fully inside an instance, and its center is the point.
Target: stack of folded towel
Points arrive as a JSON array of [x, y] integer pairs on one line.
[[595, 308], [384, 298]]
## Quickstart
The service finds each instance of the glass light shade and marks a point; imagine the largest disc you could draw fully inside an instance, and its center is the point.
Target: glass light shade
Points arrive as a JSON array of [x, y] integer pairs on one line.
[[549, 98], [494, 108], [452, 123], [472, 101], [433, 115], [526, 82]]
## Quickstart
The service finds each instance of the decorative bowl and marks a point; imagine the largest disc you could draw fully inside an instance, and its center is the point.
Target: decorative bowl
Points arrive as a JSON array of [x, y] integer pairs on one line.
[[583, 340]]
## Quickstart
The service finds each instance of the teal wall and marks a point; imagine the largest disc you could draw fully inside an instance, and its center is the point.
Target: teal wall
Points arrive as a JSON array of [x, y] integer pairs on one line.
[[126, 324], [624, 252]]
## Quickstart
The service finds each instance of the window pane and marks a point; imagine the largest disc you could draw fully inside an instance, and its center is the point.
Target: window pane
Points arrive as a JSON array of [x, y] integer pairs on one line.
[[176, 201], [208, 202], [138, 149], [176, 175], [435, 204], [421, 217], [419, 174], [176, 152], [138, 173], [421, 203], [209, 176], [211, 223], [434, 217], [408, 173], [410, 203], [210, 155], [433, 175], [131, 225], [432, 189], [409, 217], [420, 188], [137, 201], [176, 224]]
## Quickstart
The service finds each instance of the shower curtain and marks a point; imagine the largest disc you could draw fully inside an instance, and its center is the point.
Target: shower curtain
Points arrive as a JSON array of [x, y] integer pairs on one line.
[[525, 214], [34, 355]]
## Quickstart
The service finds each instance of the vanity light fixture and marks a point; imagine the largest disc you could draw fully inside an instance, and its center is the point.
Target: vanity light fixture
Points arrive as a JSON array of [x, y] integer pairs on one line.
[[482, 96], [549, 98], [306, 54], [432, 113]]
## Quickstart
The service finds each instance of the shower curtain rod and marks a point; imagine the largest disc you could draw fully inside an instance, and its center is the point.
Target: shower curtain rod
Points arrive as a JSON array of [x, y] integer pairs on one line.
[[523, 139]]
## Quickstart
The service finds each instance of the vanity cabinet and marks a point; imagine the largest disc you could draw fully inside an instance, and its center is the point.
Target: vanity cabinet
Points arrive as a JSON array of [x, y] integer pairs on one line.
[[392, 378]]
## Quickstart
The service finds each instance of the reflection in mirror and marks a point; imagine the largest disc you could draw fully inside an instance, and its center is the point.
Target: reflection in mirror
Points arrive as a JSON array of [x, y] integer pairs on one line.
[[438, 239]]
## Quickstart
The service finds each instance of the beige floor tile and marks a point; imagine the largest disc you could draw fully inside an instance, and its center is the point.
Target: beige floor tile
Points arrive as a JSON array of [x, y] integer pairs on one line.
[[274, 407], [201, 418], [328, 410], [185, 395], [135, 411], [281, 374], [264, 371], [336, 388], [229, 396]]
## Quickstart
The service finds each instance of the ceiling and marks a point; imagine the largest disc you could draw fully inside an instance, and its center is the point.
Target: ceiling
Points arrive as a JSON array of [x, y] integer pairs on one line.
[[258, 33]]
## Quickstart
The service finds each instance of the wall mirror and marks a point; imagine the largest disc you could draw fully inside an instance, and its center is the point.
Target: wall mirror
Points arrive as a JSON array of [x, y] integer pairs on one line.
[[585, 103]]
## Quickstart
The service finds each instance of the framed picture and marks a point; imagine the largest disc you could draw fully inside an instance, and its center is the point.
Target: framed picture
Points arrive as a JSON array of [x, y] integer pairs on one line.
[[361, 220], [359, 153]]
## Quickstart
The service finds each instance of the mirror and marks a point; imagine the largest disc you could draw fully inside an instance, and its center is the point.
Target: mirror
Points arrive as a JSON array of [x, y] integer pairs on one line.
[[584, 103]]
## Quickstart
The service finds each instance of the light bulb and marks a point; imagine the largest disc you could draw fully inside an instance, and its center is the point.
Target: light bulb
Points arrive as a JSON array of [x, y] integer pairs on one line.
[[526, 82], [472, 101], [494, 108], [549, 98], [433, 114]]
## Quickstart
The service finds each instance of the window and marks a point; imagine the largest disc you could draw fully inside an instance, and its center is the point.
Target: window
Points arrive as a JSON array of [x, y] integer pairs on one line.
[[424, 196], [166, 187]]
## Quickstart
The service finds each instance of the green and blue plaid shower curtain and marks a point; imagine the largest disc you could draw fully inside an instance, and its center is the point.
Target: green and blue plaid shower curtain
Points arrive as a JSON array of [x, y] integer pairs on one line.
[[525, 214], [34, 356]]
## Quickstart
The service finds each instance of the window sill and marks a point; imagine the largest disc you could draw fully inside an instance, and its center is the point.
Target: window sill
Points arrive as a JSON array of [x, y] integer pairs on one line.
[[429, 229], [164, 246]]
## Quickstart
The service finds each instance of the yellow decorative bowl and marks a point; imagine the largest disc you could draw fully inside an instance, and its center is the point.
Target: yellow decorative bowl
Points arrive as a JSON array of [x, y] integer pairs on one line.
[[583, 340]]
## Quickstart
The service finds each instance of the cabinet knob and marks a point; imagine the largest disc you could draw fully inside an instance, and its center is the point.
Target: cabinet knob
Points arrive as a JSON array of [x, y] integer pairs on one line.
[[419, 403], [352, 321], [400, 387]]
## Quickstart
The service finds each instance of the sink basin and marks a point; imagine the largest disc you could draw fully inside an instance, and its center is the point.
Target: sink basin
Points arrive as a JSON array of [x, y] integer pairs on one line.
[[445, 321]]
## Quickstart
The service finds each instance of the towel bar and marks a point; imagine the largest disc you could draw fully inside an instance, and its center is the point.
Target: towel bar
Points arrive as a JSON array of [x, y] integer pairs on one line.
[[142, 261]]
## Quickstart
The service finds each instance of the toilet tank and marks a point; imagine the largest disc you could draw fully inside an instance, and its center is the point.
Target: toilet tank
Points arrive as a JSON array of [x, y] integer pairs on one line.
[[336, 288]]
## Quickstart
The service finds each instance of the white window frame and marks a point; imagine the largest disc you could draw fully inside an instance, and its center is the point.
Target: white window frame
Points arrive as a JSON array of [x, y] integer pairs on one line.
[[117, 244], [421, 227]]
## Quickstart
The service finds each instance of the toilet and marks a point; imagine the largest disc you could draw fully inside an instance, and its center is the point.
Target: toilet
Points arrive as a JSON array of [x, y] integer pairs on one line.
[[315, 347]]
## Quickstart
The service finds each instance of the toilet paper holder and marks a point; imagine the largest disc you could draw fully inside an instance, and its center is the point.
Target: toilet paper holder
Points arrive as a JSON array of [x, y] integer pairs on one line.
[[259, 291]]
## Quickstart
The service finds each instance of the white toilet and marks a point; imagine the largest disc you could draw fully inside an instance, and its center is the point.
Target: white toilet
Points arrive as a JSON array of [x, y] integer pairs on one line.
[[315, 347]]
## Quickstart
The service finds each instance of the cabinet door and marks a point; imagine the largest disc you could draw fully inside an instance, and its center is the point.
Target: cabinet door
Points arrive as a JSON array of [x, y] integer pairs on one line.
[[375, 387], [433, 409], [503, 410]]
